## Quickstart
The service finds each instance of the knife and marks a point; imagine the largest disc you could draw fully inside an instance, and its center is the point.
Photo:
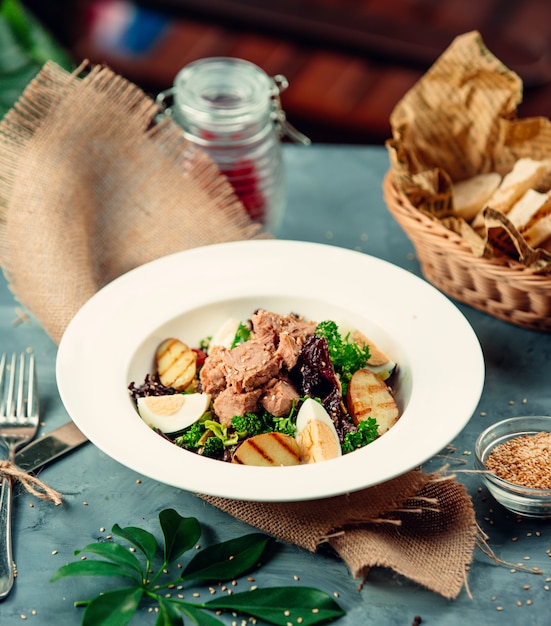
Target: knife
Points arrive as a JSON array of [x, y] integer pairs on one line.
[[50, 447]]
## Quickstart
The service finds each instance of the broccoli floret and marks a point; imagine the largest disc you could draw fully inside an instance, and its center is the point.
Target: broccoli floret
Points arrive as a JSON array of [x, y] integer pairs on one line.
[[213, 448], [191, 437], [251, 424], [346, 356], [365, 433], [285, 425]]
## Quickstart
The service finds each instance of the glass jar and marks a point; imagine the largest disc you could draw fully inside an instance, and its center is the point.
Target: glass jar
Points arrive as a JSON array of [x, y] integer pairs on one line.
[[231, 109]]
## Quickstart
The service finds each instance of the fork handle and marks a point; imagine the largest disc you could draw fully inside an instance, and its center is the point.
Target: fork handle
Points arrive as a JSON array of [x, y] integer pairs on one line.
[[6, 555]]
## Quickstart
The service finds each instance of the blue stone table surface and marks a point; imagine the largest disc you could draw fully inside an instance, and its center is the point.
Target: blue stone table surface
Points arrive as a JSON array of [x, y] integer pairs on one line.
[[334, 197]]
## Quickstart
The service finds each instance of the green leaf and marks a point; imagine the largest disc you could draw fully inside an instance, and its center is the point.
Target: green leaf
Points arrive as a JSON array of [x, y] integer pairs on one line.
[[91, 568], [199, 616], [142, 539], [113, 608], [228, 559], [169, 615], [115, 553], [282, 605], [180, 533], [25, 45]]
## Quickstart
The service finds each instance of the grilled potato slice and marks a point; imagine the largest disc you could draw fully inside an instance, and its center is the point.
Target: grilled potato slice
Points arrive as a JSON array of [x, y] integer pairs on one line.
[[176, 364], [268, 449], [369, 396]]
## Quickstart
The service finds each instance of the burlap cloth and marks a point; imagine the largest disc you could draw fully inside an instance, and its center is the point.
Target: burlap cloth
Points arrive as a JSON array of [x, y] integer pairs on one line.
[[91, 187]]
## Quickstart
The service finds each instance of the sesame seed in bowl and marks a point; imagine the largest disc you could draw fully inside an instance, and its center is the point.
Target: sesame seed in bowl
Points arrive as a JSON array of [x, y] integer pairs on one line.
[[514, 458]]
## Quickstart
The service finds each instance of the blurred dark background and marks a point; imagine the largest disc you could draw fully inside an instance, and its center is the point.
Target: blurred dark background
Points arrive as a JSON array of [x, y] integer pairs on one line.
[[348, 61]]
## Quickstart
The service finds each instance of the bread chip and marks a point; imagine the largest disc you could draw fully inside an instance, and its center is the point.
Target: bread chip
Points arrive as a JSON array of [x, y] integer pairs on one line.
[[526, 173], [538, 232], [532, 205], [470, 195]]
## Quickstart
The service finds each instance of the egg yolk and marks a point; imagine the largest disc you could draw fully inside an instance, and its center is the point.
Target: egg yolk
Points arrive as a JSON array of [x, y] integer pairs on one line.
[[164, 405], [317, 442]]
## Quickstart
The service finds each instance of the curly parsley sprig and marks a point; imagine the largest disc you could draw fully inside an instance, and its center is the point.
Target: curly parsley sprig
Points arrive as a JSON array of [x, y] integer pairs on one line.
[[346, 356], [220, 562]]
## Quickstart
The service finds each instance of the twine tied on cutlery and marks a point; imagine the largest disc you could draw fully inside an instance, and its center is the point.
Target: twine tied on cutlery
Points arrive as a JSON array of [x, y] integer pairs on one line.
[[32, 484], [92, 187]]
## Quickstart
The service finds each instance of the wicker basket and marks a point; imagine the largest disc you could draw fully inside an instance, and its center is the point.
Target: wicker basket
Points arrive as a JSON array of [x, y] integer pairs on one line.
[[509, 291]]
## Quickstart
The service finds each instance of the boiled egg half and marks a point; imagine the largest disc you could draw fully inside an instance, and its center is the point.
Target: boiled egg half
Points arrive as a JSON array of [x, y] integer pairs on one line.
[[171, 414], [316, 434], [225, 335]]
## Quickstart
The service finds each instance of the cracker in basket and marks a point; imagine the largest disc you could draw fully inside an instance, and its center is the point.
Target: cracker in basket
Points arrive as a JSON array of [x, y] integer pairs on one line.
[[529, 208], [526, 174], [538, 234], [471, 195]]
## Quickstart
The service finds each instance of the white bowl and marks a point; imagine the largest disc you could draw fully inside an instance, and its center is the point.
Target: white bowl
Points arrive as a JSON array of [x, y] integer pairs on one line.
[[111, 341]]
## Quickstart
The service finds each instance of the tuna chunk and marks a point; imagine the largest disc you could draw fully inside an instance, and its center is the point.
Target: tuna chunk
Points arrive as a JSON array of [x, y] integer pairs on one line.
[[279, 397], [251, 365], [230, 403], [213, 373], [267, 324]]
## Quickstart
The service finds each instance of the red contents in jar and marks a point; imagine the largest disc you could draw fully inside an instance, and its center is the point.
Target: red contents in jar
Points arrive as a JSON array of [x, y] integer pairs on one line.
[[244, 179]]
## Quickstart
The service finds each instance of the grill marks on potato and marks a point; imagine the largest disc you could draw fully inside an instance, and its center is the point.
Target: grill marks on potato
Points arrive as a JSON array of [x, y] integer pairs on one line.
[[268, 449], [176, 364], [369, 396]]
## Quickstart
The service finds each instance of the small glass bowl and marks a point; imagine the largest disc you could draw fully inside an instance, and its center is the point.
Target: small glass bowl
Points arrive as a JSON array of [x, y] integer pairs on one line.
[[525, 501]]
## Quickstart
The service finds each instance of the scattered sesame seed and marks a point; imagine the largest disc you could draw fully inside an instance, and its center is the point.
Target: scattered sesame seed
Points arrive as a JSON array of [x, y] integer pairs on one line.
[[102, 529], [499, 608], [514, 538], [511, 402], [138, 481], [286, 612], [519, 603], [295, 577], [23, 616], [54, 552], [546, 587], [83, 558], [483, 413], [315, 610], [524, 400], [31, 505], [33, 612], [85, 503], [132, 549], [529, 602], [526, 587], [109, 537], [196, 595]]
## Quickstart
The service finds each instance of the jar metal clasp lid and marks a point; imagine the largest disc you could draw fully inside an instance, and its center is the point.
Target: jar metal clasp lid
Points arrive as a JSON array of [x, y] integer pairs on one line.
[[280, 83], [165, 99]]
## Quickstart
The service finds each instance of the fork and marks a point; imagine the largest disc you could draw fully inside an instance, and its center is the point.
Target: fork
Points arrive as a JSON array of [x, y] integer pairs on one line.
[[18, 426]]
